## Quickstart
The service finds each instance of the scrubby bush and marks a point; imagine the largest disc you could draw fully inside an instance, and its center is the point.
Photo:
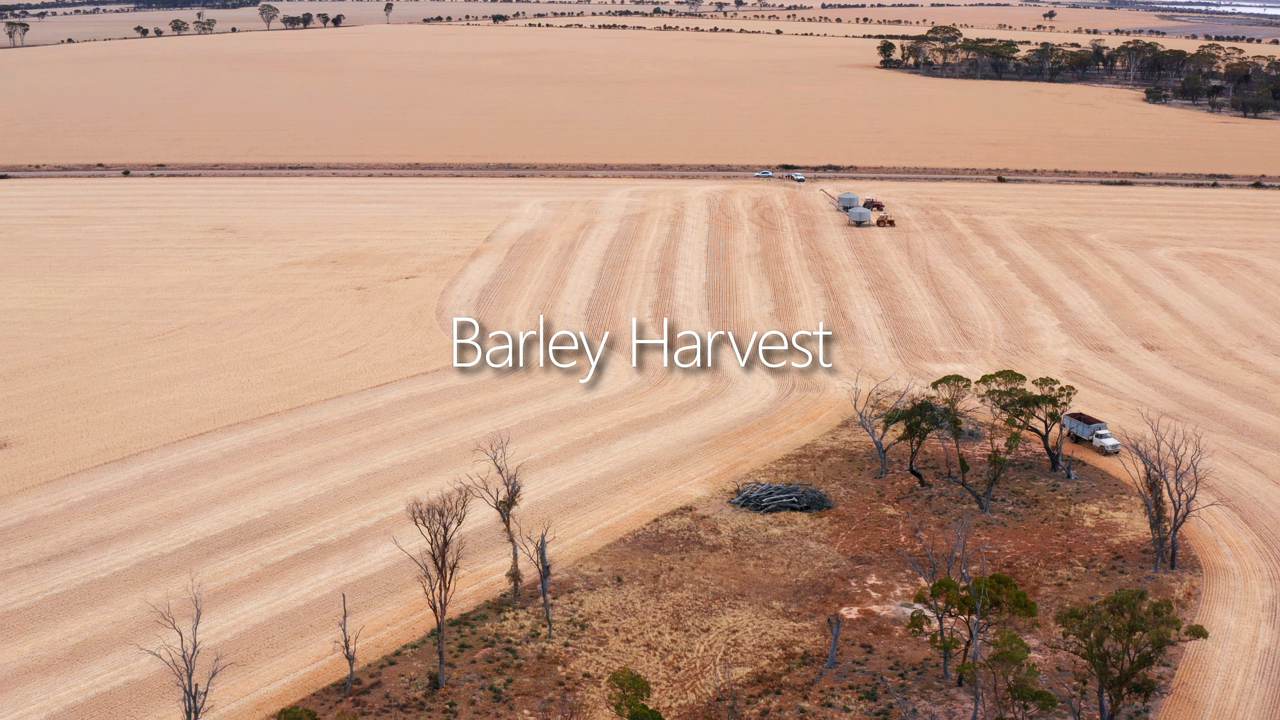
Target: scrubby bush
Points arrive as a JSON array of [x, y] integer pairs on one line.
[[628, 691]]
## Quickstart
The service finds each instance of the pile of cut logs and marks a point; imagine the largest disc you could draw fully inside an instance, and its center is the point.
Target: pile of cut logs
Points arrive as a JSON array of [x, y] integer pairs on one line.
[[773, 497]]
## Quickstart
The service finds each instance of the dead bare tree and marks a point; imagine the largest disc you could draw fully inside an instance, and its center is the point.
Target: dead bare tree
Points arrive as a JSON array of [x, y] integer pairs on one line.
[[438, 521], [980, 601], [181, 654], [500, 488], [1146, 485], [1167, 465], [534, 546], [940, 564], [346, 644], [876, 410], [835, 623]]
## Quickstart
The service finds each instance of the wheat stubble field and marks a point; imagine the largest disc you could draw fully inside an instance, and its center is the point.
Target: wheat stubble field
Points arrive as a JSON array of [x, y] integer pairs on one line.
[[246, 378], [403, 94]]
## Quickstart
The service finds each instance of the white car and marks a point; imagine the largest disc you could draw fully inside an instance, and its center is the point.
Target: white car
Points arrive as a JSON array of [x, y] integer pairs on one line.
[[797, 177], [765, 174]]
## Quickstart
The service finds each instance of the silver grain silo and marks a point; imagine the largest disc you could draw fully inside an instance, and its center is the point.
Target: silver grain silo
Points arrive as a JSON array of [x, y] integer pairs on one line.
[[859, 215], [847, 201]]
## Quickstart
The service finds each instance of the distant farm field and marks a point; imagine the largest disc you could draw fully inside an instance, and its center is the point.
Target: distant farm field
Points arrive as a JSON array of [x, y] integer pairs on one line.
[[400, 94], [118, 21]]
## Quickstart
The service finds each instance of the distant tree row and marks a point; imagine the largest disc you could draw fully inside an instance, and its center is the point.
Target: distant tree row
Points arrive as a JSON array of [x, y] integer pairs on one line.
[[269, 14], [210, 4], [205, 26], [1218, 75], [178, 26]]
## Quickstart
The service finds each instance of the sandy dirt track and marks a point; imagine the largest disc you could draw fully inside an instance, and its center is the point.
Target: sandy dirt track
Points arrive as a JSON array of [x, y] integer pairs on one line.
[[398, 94], [248, 377]]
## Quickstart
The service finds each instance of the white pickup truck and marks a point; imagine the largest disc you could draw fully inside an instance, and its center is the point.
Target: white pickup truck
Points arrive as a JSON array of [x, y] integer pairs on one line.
[[1086, 428]]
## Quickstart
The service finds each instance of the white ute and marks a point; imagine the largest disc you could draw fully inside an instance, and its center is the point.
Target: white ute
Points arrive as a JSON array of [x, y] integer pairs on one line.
[[1086, 428]]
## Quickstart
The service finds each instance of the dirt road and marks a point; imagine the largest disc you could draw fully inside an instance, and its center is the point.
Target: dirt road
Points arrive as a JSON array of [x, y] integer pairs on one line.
[[246, 378]]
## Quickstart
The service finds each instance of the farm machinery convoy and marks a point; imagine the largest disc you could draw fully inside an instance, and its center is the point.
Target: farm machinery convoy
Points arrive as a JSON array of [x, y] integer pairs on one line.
[[862, 211]]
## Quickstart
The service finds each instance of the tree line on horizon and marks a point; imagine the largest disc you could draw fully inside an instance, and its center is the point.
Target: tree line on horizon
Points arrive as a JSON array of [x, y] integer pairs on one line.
[[1218, 75]]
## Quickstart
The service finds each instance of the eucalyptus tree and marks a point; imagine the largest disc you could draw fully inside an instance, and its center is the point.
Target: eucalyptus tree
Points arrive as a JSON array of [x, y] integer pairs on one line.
[[268, 13]]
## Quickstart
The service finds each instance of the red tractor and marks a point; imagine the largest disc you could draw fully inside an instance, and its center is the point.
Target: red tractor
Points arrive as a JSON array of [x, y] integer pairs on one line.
[[873, 204]]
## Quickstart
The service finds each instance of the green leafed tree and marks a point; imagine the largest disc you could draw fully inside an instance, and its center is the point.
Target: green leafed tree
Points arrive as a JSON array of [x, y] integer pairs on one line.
[[268, 13], [940, 566], [1015, 691], [944, 41], [1120, 641], [919, 419], [627, 695], [987, 603], [951, 393], [934, 618], [886, 49], [1003, 396], [1042, 416]]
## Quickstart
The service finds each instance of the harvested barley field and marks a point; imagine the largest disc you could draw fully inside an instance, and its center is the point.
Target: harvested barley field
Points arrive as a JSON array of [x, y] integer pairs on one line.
[[401, 94], [247, 378]]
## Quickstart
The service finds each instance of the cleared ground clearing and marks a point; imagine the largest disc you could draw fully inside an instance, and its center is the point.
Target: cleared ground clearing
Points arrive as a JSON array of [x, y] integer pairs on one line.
[[398, 94], [297, 460]]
